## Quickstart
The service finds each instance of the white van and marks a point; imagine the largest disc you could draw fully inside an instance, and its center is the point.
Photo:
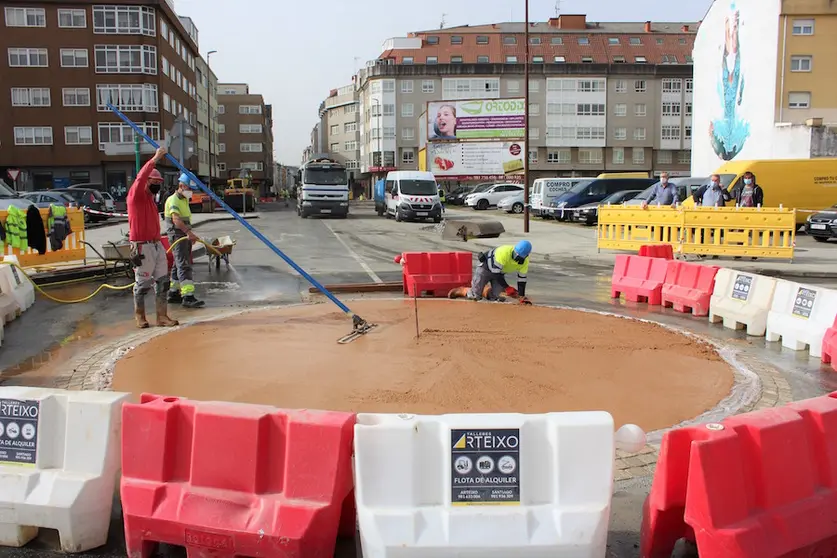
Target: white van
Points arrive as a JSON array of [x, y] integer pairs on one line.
[[413, 196], [544, 190]]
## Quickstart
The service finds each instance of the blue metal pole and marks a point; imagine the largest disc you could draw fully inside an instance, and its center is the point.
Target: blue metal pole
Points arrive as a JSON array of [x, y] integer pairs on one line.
[[238, 217]]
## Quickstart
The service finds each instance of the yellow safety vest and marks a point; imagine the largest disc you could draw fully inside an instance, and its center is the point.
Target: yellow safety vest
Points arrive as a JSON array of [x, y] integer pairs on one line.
[[180, 206]]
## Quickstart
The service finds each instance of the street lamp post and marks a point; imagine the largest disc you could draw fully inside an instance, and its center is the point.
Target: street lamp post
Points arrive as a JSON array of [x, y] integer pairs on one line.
[[526, 126], [212, 167]]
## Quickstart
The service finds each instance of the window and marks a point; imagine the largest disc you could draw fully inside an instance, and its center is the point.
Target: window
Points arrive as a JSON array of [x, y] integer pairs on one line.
[[408, 157], [618, 156], [124, 20], [456, 60], [621, 86], [803, 27], [456, 39], [534, 40], [164, 29], [640, 109], [482, 39], [432, 40], [559, 60], [689, 59], [428, 86], [669, 59], [127, 98], [352, 165], [553, 157], [534, 133], [335, 147], [259, 166], [222, 128], [663, 157], [78, 135], [620, 133], [613, 40], [511, 59], [389, 132], [557, 40], [407, 110], [659, 40], [640, 86], [407, 60], [221, 109], [618, 59], [537, 60], [640, 59], [258, 147], [799, 100], [588, 109], [74, 58], [350, 145], [672, 86], [471, 88], [534, 109], [28, 58], [348, 127], [389, 109], [222, 148], [620, 109], [222, 167], [586, 59], [638, 155], [534, 86], [687, 132], [590, 156], [30, 97], [166, 102], [25, 17], [561, 157], [513, 86], [509, 40], [670, 133], [164, 65], [671, 109], [408, 133], [257, 129], [591, 86], [407, 86], [72, 19], [639, 134], [335, 129], [33, 135], [432, 60], [801, 63], [635, 41], [690, 85], [126, 59], [590, 133], [584, 41], [688, 109], [249, 109], [76, 96], [482, 59], [684, 157]]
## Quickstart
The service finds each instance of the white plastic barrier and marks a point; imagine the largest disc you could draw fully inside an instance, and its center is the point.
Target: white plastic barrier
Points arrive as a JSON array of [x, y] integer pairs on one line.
[[800, 316], [742, 299], [491, 485], [13, 282], [59, 463]]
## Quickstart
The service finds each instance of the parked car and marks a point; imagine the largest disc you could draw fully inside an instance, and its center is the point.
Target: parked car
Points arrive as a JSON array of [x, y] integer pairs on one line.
[[491, 196], [512, 204], [110, 203], [686, 186], [45, 199], [593, 191], [822, 226], [457, 197], [87, 197], [589, 213], [8, 198]]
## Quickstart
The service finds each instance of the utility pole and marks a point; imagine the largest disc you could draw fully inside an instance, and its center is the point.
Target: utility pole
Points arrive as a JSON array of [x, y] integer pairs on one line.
[[526, 127]]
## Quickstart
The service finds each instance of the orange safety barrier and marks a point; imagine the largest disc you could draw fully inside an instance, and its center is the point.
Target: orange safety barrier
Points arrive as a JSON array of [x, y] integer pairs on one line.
[[688, 287], [829, 346], [664, 251], [758, 485], [72, 250], [639, 278], [228, 479], [435, 273]]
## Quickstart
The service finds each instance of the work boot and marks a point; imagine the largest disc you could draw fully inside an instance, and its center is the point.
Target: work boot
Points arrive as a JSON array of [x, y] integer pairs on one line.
[[189, 301], [163, 319], [174, 297], [458, 292], [139, 315]]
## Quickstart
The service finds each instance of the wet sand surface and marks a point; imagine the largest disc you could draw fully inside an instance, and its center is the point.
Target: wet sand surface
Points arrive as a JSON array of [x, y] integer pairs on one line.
[[470, 357]]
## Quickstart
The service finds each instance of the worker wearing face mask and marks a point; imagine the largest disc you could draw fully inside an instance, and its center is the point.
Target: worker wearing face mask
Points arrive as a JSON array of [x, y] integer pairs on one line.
[[490, 275], [179, 220]]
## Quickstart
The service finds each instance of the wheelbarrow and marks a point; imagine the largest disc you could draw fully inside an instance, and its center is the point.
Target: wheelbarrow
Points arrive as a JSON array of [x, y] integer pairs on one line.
[[221, 249]]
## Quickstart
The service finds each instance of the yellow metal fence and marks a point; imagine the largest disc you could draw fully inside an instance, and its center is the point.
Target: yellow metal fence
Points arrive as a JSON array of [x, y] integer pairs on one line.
[[72, 250], [714, 231]]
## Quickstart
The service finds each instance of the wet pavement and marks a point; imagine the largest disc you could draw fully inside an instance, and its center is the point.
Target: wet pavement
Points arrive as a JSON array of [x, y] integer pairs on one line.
[[354, 250]]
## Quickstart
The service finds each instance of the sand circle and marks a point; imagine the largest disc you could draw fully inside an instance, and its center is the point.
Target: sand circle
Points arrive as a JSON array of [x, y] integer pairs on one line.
[[470, 357]]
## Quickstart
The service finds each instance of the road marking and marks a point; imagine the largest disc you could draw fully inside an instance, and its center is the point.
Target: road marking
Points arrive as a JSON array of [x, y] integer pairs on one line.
[[354, 254]]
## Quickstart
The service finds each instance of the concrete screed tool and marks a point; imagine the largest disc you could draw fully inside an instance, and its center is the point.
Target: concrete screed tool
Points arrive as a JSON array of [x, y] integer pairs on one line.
[[359, 325]]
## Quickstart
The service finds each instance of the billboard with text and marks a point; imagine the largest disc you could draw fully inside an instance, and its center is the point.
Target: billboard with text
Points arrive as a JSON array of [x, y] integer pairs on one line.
[[478, 119], [464, 160]]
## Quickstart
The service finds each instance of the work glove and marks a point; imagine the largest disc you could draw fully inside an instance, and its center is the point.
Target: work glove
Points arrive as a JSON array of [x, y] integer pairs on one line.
[[511, 292], [526, 301]]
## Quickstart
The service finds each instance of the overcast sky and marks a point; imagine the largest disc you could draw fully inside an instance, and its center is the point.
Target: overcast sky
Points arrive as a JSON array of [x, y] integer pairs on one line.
[[295, 52]]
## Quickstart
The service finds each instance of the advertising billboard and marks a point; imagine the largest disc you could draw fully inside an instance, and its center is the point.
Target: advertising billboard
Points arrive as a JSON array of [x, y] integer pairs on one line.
[[469, 160], [478, 119]]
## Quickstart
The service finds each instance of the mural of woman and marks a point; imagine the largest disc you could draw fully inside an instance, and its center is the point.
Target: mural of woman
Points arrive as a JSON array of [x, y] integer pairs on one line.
[[729, 133]]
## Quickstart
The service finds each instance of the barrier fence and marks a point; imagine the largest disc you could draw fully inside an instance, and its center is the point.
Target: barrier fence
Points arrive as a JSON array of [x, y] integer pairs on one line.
[[73, 248], [768, 232]]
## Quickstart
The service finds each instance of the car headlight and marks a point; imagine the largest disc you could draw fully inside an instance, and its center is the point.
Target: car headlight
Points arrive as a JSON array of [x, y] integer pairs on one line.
[[559, 205], [809, 218]]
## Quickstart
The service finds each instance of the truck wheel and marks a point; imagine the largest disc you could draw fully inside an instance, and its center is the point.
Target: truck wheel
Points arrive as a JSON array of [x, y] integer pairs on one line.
[[397, 216]]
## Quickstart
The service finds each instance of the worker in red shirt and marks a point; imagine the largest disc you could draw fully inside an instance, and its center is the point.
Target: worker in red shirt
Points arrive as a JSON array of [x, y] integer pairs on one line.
[[147, 253]]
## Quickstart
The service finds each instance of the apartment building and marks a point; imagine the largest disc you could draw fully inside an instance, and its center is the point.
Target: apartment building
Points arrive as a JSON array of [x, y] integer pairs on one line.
[[604, 97], [62, 64], [245, 134], [339, 118], [207, 118]]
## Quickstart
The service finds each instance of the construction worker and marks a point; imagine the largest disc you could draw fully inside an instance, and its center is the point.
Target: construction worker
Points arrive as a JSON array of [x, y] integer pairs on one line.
[[147, 253], [489, 277], [179, 220]]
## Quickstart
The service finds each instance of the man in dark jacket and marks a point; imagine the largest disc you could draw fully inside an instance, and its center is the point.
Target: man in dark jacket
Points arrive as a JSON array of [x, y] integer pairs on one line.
[[748, 193]]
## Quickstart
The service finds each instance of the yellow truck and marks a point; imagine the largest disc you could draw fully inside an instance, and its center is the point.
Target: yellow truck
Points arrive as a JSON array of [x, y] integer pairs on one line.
[[794, 183], [623, 175]]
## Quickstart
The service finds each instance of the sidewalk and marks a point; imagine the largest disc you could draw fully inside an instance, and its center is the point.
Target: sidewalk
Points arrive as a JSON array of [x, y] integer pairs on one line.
[[554, 241]]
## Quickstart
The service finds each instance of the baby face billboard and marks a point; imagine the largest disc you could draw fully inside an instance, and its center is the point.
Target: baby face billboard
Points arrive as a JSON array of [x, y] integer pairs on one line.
[[482, 119]]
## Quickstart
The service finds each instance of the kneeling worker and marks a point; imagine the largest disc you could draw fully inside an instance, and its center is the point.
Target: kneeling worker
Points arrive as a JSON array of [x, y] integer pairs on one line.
[[178, 218], [489, 277]]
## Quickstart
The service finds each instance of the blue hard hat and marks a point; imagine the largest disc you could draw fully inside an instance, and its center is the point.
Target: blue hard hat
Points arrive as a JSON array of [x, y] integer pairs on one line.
[[523, 248], [184, 179]]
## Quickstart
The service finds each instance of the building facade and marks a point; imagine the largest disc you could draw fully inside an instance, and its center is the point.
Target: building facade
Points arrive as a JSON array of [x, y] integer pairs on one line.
[[765, 88], [62, 64], [207, 117], [245, 134], [339, 117]]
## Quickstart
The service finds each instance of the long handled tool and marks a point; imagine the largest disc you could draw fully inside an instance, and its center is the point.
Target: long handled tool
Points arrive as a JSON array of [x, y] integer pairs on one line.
[[359, 325]]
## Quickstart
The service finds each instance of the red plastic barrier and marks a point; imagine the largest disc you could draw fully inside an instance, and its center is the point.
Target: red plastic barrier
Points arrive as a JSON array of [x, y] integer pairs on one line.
[[226, 479], [664, 251], [829, 346], [435, 273], [759, 485], [688, 287], [639, 278]]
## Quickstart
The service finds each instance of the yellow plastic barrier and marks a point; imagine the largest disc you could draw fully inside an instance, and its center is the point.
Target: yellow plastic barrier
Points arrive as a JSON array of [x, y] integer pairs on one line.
[[712, 231], [72, 250]]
